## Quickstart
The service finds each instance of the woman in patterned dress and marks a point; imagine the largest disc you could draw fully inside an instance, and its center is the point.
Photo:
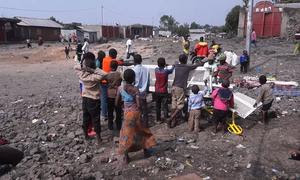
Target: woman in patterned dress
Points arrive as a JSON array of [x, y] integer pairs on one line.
[[133, 136]]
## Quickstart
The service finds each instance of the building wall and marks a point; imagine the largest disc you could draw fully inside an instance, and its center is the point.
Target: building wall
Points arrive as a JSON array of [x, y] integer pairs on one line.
[[290, 23], [267, 20], [242, 23], [110, 32], [33, 33], [2, 32]]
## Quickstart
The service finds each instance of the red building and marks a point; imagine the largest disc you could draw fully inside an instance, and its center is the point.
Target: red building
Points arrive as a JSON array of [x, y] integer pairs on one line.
[[267, 19]]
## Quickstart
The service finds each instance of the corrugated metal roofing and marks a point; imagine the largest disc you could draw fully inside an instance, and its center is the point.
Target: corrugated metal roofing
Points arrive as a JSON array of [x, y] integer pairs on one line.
[[25, 21]]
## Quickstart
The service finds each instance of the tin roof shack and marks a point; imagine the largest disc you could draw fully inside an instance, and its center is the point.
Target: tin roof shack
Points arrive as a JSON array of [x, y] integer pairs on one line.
[[290, 23], [139, 30], [195, 34], [104, 31], [8, 29], [89, 34], [33, 28]]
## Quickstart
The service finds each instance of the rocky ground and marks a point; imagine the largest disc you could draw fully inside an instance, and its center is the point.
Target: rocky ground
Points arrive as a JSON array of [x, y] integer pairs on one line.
[[40, 114]]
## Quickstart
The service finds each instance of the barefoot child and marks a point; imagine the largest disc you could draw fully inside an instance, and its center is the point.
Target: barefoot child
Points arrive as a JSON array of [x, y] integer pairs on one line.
[[161, 88], [196, 103], [265, 96], [133, 135], [90, 78], [222, 100]]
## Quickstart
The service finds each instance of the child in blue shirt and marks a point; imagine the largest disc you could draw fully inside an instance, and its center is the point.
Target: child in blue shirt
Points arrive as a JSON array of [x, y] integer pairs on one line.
[[244, 61], [195, 106]]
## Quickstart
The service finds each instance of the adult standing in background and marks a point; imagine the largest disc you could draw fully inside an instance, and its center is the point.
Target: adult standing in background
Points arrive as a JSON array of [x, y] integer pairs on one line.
[[253, 37], [129, 48]]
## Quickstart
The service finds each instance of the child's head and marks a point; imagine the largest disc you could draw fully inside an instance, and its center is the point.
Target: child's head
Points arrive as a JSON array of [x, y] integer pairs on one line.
[[137, 59], [262, 79], [129, 76], [245, 52], [195, 89], [201, 39], [101, 55], [89, 60], [161, 62], [113, 53], [225, 83], [222, 59], [183, 59], [114, 65]]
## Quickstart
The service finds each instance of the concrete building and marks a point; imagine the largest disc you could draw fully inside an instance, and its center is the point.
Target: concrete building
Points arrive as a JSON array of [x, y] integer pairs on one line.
[[290, 23], [272, 20], [195, 34], [33, 28], [139, 30], [8, 29]]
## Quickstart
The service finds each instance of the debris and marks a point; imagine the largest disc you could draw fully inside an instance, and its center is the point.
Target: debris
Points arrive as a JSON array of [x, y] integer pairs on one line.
[[284, 112], [180, 139], [240, 146], [180, 167], [55, 112], [194, 147], [83, 158], [188, 163], [187, 156], [104, 160], [191, 141], [236, 165], [248, 165], [206, 178], [229, 153], [17, 101], [278, 99], [34, 121]]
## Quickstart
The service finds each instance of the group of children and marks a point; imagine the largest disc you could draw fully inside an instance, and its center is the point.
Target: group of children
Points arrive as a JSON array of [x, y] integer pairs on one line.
[[106, 89]]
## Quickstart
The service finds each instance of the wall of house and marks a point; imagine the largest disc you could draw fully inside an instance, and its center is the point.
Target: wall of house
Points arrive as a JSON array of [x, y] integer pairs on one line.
[[33, 33], [290, 23], [2, 32]]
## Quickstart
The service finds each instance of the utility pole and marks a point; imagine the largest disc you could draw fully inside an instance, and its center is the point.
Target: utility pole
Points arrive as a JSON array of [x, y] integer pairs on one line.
[[102, 22], [249, 27]]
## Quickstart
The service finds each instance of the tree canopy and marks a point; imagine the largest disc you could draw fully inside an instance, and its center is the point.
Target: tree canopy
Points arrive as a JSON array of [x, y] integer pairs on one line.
[[232, 20]]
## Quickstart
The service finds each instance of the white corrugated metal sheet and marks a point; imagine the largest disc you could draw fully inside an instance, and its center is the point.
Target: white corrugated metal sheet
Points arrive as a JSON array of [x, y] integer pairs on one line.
[[36, 22]]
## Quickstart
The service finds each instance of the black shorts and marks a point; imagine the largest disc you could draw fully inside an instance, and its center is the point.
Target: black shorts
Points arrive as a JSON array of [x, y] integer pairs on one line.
[[266, 107], [220, 116]]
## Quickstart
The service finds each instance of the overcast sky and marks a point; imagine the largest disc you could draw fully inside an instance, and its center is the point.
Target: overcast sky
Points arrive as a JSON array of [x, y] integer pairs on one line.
[[123, 12]]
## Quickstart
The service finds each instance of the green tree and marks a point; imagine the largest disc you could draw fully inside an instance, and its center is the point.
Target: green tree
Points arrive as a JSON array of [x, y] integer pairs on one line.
[[232, 20], [55, 20], [168, 23], [195, 25], [183, 30]]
